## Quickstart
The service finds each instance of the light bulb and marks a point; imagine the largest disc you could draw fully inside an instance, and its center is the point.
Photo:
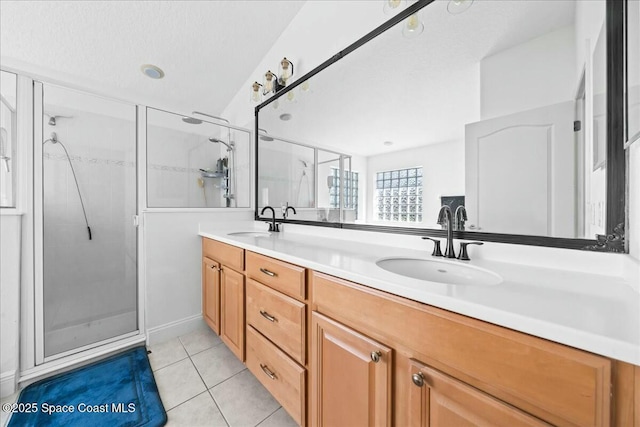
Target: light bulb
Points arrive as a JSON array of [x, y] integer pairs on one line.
[[255, 92], [286, 71], [291, 95], [304, 87], [413, 26], [391, 6], [269, 82]]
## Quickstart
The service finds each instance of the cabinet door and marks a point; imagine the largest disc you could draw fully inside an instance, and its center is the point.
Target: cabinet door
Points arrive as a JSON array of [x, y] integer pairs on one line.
[[232, 310], [211, 293], [351, 377], [437, 399]]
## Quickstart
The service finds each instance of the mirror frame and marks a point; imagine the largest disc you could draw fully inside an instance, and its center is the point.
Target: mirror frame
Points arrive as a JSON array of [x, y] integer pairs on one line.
[[613, 241]]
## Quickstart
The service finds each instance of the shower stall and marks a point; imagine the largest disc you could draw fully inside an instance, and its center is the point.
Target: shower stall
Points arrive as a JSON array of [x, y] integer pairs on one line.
[[199, 161], [85, 209]]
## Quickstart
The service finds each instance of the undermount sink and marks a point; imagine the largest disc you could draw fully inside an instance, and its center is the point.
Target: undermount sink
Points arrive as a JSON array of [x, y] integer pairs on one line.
[[447, 272], [250, 233]]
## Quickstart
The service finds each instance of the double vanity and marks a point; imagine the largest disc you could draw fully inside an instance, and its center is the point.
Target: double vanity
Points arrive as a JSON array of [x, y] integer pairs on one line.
[[349, 333]]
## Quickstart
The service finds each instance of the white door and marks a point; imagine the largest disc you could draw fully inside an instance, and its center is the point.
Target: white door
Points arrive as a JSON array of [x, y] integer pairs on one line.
[[520, 173]]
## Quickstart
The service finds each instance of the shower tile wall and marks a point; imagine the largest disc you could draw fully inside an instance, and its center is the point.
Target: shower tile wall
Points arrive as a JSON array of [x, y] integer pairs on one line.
[[88, 280]]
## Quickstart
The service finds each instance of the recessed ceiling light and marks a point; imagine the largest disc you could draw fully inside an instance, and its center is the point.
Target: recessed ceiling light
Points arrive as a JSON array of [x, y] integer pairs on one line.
[[285, 116], [152, 71], [388, 143]]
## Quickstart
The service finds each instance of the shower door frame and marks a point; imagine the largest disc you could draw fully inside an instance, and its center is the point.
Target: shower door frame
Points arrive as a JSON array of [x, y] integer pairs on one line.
[[94, 349]]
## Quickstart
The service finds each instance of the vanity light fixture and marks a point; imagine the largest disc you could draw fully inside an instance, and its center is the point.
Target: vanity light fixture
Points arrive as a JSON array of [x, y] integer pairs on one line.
[[391, 6], [272, 83], [256, 93], [456, 7], [152, 71]]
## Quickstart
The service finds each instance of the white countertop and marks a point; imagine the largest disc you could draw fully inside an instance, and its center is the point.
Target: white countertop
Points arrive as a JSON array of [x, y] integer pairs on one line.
[[596, 313]]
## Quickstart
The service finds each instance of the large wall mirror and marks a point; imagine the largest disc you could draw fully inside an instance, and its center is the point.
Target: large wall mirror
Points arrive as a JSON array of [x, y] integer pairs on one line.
[[507, 111]]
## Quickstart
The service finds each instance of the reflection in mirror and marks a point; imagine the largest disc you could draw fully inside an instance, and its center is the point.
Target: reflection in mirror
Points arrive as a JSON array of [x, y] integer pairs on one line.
[[193, 163], [500, 108], [8, 142], [307, 178]]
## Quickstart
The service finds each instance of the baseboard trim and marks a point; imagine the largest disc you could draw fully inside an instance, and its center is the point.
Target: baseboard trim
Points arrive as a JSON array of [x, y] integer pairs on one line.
[[174, 329], [8, 382]]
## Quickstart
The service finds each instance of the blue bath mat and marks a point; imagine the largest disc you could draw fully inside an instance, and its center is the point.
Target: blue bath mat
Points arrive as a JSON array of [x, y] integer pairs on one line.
[[118, 391]]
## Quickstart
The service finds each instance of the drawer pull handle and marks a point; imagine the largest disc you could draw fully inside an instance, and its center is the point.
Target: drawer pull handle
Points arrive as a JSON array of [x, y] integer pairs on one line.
[[268, 273], [213, 267], [375, 356], [267, 371], [418, 379], [267, 316]]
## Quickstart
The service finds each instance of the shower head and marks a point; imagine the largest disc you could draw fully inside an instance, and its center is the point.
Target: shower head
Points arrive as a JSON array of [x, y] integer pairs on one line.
[[53, 119], [191, 120], [209, 115], [264, 136], [216, 141]]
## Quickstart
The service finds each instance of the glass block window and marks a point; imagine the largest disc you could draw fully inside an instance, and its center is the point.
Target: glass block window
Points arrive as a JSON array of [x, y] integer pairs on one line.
[[351, 190], [398, 195]]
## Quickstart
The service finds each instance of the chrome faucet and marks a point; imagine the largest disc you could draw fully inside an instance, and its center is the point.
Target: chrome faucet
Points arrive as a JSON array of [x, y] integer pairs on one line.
[[445, 219], [460, 217], [273, 225]]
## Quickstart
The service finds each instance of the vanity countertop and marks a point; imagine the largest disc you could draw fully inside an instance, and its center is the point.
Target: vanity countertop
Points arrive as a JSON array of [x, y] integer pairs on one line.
[[596, 313]]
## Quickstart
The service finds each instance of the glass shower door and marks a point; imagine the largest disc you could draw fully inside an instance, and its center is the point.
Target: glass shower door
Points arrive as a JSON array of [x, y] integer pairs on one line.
[[89, 241]]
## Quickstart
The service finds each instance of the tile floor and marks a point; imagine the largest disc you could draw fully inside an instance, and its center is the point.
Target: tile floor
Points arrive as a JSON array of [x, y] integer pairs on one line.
[[202, 383]]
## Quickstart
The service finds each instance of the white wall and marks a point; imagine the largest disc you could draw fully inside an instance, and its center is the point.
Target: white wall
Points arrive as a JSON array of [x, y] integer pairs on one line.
[[172, 263], [10, 231], [307, 44], [443, 174], [533, 74]]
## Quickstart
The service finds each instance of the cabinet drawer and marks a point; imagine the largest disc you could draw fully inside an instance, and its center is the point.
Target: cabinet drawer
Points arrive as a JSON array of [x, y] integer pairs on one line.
[[228, 255], [283, 377], [278, 317], [285, 277]]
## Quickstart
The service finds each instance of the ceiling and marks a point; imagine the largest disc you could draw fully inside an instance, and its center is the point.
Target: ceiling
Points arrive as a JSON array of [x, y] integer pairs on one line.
[[207, 49]]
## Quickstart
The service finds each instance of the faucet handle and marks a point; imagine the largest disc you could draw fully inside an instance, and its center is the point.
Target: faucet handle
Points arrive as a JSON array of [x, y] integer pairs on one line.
[[436, 246], [463, 255]]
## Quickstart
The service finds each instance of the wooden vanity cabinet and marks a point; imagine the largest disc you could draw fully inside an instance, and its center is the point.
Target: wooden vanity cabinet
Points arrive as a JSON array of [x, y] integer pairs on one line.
[[276, 313], [223, 293], [211, 293], [439, 400], [483, 365], [232, 319], [350, 376]]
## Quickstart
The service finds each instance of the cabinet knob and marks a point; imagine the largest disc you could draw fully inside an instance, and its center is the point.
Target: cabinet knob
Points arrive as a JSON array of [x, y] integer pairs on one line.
[[375, 356], [418, 379]]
